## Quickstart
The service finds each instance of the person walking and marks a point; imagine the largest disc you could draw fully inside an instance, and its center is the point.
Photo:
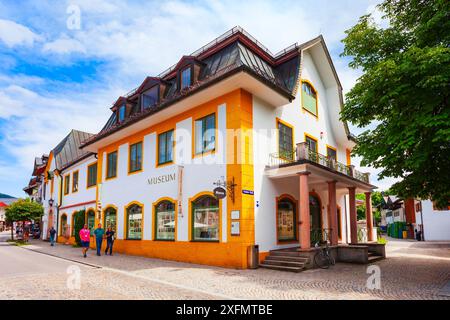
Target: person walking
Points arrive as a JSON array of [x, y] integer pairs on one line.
[[85, 236], [52, 232], [99, 234], [109, 241]]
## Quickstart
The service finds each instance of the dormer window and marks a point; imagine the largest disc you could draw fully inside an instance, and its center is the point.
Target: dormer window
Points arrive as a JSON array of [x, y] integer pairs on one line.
[[186, 79], [122, 113], [150, 97]]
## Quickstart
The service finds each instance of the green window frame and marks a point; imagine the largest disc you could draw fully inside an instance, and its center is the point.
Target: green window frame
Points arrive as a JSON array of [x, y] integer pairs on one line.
[[309, 98], [331, 153], [135, 158], [285, 141], [111, 165], [134, 222], [90, 221], [205, 219], [205, 134], [66, 184], [110, 219], [312, 144], [75, 181], [165, 147], [64, 225], [165, 220], [92, 175]]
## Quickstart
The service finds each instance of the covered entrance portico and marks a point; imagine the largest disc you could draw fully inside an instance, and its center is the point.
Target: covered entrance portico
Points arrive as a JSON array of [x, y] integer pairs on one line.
[[321, 193]]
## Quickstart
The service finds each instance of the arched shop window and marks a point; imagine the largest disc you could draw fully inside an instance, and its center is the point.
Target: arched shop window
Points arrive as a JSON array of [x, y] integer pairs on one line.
[[91, 221], [134, 222], [110, 219], [165, 220], [64, 226], [205, 220], [286, 219]]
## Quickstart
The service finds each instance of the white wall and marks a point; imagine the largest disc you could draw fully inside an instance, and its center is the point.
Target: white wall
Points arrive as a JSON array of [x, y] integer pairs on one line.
[[436, 223], [266, 142], [197, 177]]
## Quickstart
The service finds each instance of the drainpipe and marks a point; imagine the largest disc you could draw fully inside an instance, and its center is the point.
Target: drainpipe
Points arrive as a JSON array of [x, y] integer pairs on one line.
[[58, 205]]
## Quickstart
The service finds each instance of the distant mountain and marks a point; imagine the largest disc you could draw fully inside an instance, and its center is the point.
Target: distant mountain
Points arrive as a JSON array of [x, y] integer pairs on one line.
[[5, 196]]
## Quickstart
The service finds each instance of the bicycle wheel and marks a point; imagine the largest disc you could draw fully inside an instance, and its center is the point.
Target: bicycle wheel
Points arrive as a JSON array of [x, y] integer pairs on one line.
[[321, 260]]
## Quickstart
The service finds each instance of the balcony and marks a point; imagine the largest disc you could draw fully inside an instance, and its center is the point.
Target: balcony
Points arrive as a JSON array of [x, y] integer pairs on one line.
[[302, 154]]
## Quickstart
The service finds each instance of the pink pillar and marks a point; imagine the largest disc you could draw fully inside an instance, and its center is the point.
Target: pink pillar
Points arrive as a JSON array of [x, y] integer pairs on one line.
[[369, 217], [305, 224], [352, 211], [332, 212]]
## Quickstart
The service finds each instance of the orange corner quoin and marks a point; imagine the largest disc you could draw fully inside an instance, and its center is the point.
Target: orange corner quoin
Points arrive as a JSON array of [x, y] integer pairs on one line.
[[214, 162]]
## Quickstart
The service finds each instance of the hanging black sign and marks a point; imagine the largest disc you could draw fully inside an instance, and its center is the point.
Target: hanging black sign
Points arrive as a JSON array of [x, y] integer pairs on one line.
[[220, 192]]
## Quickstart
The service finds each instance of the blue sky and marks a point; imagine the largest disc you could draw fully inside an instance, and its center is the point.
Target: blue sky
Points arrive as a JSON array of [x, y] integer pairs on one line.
[[54, 78]]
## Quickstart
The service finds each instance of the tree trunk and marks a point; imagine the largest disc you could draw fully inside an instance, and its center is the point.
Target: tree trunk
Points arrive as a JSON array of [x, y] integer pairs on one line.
[[12, 231]]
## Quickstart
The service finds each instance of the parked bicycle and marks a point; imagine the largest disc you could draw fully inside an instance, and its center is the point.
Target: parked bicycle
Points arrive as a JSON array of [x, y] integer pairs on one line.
[[323, 257]]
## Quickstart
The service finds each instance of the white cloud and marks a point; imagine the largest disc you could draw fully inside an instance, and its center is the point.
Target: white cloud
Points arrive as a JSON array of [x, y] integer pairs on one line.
[[14, 34], [133, 40], [64, 45]]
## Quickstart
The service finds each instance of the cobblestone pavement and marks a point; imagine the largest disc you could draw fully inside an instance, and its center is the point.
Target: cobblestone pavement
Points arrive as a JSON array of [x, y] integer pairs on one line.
[[412, 271]]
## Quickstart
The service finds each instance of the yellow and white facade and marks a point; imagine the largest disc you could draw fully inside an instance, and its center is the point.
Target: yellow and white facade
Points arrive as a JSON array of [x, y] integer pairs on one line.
[[157, 166]]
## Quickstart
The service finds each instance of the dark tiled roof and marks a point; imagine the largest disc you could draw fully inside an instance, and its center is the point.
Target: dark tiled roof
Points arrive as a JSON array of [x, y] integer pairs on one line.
[[68, 150], [233, 57]]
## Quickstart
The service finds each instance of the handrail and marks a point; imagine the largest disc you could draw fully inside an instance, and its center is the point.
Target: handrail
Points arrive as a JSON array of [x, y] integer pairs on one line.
[[302, 152]]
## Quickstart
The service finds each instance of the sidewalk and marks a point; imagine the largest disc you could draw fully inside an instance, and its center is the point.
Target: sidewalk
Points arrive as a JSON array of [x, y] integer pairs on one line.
[[406, 274]]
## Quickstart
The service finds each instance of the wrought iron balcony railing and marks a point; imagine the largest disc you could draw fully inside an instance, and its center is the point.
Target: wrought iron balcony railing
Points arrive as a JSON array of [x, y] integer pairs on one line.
[[302, 152]]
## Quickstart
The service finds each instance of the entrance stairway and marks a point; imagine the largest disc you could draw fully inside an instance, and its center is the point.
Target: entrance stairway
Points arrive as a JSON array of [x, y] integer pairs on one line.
[[285, 260], [372, 257]]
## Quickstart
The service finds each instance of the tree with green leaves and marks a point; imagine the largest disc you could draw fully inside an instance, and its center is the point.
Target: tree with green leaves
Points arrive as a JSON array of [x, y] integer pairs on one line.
[[23, 210], [403, 94], [79, 221]]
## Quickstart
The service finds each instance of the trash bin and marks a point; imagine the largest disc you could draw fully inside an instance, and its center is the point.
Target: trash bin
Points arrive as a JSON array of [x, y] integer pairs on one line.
[[253, 256], [405, 234]]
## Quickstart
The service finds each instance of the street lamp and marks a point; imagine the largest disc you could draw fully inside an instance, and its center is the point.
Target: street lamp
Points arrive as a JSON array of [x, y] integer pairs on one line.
[[50, 202]]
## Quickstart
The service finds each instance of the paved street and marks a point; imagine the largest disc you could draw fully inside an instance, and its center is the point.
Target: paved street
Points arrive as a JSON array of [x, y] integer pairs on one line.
[[412, 271]]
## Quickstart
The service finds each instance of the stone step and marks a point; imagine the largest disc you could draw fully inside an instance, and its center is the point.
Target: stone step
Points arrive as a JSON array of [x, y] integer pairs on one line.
[[284, 263], [287, 258], [285, 253], [281, 268], [373, 258]]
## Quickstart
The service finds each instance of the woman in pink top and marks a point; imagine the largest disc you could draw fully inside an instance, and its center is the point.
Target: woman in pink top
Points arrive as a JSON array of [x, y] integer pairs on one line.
[[85, 236]]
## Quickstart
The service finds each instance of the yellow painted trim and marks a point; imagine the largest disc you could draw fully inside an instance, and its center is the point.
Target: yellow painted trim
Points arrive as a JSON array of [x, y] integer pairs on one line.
[[142, 157], [78, 181], [317, 98], [87, 175], [125, 226], [278, 133], [349, 157], [192, 199], [196, 155], [313, 138], [66, 184], [158, 165], [154, 204], [48, 165], [107, 165], [332, 148]]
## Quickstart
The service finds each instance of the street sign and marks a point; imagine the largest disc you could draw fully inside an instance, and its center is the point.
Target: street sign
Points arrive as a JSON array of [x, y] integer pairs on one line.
[[220, 192]]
